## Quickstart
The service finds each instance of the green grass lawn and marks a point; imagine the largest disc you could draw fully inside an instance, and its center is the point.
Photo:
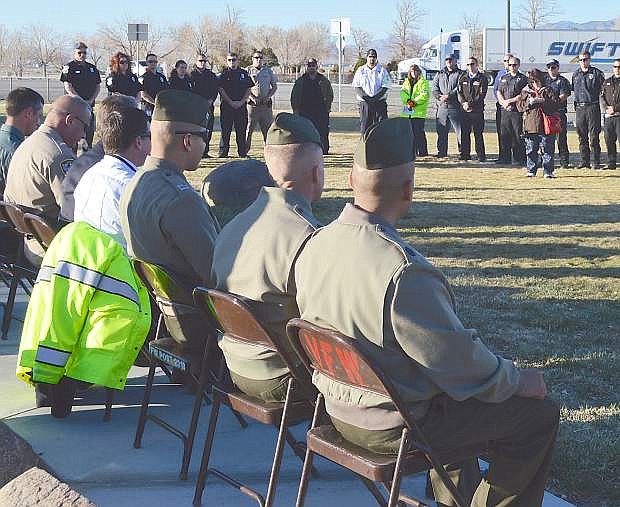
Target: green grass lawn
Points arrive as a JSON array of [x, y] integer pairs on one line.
[[535, 265]]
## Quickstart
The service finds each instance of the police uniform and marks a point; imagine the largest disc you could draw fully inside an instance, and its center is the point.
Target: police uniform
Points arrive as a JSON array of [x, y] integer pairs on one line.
[[152, 83], [235, 82], [260, 115], [587, 89], [473, 90], [164, 220], [561, 86], [124, 84], [185, 84], [611, 97], [206, 85], [401, 312], [84, 77], [274, 229], [35, 175], [511, 127]]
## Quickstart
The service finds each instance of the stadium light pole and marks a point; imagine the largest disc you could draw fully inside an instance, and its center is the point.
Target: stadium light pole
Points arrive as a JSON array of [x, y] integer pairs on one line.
[[507, 26]]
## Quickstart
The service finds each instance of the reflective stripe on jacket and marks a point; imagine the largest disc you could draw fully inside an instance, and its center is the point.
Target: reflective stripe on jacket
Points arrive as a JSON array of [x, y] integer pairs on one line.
[[88, 314], [420, 94]]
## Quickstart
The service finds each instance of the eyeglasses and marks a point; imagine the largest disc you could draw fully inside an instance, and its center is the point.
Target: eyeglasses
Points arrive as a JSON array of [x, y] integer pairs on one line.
[[202, 61], [73, 115], [151, 61], [258, 57], [203, 134], [122, 62], [513, 65]]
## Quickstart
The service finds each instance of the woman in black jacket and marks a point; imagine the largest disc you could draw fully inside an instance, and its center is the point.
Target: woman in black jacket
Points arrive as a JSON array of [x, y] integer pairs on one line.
[[179, 78], [121, 80]]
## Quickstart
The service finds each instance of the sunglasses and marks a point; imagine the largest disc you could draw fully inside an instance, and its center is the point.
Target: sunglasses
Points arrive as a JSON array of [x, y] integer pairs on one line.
[[81, 52], [258, 57], [471, 63], [202, 61], [506, 61], [231, 59], [616, 66], [203, 134], [513, 65], [584, 59], [122, 62]]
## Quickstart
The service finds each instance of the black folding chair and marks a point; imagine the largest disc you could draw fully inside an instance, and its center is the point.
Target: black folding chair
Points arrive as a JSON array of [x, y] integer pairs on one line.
[[40, 228], [232, 316], [19, 270], [169, 355], [339, 357]]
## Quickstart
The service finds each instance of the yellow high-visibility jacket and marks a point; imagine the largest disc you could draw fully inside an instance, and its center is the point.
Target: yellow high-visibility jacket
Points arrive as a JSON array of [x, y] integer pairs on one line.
[[88, 314]]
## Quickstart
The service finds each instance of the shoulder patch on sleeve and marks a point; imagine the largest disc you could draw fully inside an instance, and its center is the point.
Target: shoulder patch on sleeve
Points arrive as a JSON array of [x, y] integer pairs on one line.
[[65, 165], [65, 69], [109, 81]]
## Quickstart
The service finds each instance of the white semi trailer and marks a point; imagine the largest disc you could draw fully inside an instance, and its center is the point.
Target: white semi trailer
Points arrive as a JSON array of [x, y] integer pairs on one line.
[[534, 47]]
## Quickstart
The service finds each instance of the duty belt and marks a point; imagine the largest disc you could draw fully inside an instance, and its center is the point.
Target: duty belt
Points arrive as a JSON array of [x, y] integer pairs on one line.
[[580, 104]]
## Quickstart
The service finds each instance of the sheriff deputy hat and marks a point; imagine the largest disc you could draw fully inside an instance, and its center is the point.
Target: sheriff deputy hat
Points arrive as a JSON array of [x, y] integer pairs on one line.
[[80, 45], [178, 105], [553, 62], [387, 144], [290, 128]]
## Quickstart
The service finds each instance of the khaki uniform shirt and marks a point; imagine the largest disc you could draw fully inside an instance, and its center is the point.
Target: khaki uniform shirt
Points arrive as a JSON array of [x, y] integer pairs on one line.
[[35, 174], [255, 257], [359, 277], [166, 222], [264, 79]]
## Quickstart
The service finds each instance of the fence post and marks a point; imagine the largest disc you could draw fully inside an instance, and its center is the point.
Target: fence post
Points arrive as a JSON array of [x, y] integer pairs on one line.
[[10, 84], [48, 88]]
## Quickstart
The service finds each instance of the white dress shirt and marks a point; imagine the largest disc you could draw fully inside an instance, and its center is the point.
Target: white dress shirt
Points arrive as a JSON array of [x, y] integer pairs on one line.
[[98, 194], [371, 80]]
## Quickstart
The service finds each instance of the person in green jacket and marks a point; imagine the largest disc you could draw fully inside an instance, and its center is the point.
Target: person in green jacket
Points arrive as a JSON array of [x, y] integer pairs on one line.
[[415, 94]]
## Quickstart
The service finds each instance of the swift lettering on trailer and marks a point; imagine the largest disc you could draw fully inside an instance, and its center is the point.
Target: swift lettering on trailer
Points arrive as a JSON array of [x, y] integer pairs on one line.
[[602, 52]]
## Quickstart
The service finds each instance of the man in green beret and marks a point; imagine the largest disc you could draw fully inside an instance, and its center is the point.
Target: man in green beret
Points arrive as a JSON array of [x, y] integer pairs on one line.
[[164, 220], [255, 252], [358, 276]]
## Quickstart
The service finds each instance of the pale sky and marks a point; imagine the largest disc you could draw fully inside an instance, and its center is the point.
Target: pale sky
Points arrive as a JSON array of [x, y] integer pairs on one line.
[[375, 17]]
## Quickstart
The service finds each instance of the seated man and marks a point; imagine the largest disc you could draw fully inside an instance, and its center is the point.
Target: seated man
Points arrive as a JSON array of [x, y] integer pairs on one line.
[[358, 276], [87, 318], [41, 162], [256, 251], [89, 158], [164, 220], [126, 141]]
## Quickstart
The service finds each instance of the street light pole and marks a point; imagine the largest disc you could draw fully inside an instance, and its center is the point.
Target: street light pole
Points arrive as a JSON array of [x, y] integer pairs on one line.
[[340, 66], [507, 26]]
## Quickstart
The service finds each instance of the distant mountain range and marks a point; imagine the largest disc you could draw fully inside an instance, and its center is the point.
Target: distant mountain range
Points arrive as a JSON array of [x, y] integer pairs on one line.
[[590, 25]]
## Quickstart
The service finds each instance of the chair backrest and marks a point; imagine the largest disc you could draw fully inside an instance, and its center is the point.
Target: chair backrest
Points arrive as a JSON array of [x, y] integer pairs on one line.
[[159, 283], [232, 315], [16, 216], [4, 216], [339, 357], [40, 228]]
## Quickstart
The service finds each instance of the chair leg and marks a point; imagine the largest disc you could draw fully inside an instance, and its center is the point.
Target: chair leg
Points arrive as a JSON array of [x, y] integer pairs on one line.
[[395, 489], [283, 436], [189, 442], [305, 472], [206, 453], [145, 406], [109, 399], [8, 307]]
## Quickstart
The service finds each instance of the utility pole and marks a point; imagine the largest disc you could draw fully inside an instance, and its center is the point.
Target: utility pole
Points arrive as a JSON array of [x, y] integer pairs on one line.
[[507, 44]]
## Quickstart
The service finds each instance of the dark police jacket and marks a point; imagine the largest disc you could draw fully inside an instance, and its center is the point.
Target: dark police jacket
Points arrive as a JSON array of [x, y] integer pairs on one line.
[[587, 85], [205, 84], [126, 84], [611, 93], [473, 90], [84, 77], [235, 82], [560, 85]]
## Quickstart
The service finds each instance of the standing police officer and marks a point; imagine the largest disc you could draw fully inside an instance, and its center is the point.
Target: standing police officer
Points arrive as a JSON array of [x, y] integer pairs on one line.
[[560, 85], [502, 158], [444, 89], [587, 83], [260, 105], [206, 85], [610, 101], [82, 79], [472, 90], [152, 82], [235, 88], [511, 128]]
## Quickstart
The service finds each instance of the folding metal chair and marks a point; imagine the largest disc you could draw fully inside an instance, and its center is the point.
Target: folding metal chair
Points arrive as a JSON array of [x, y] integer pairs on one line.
[[339, 357], [40, 228], [233, 317], [18, 270], [169, 355]]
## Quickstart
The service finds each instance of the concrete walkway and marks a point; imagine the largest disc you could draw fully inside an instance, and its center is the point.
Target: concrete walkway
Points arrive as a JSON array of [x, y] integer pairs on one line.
[[98, 459]]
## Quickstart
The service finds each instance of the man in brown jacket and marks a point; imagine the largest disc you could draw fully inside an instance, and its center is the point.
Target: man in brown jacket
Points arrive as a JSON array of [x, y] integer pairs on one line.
[[358, 276]]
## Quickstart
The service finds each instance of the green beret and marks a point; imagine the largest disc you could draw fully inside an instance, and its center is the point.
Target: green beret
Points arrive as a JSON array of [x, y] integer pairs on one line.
[[290, 128], [386, 144], [178, 105]]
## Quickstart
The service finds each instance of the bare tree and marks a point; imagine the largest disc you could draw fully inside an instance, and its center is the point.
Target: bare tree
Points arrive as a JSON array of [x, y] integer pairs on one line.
[[617, 23], [19, 53], [5, 37], [537, 12], [200, 37], [231, 34], [361, 39], [404, 39], [472, 23], [46, 46]]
